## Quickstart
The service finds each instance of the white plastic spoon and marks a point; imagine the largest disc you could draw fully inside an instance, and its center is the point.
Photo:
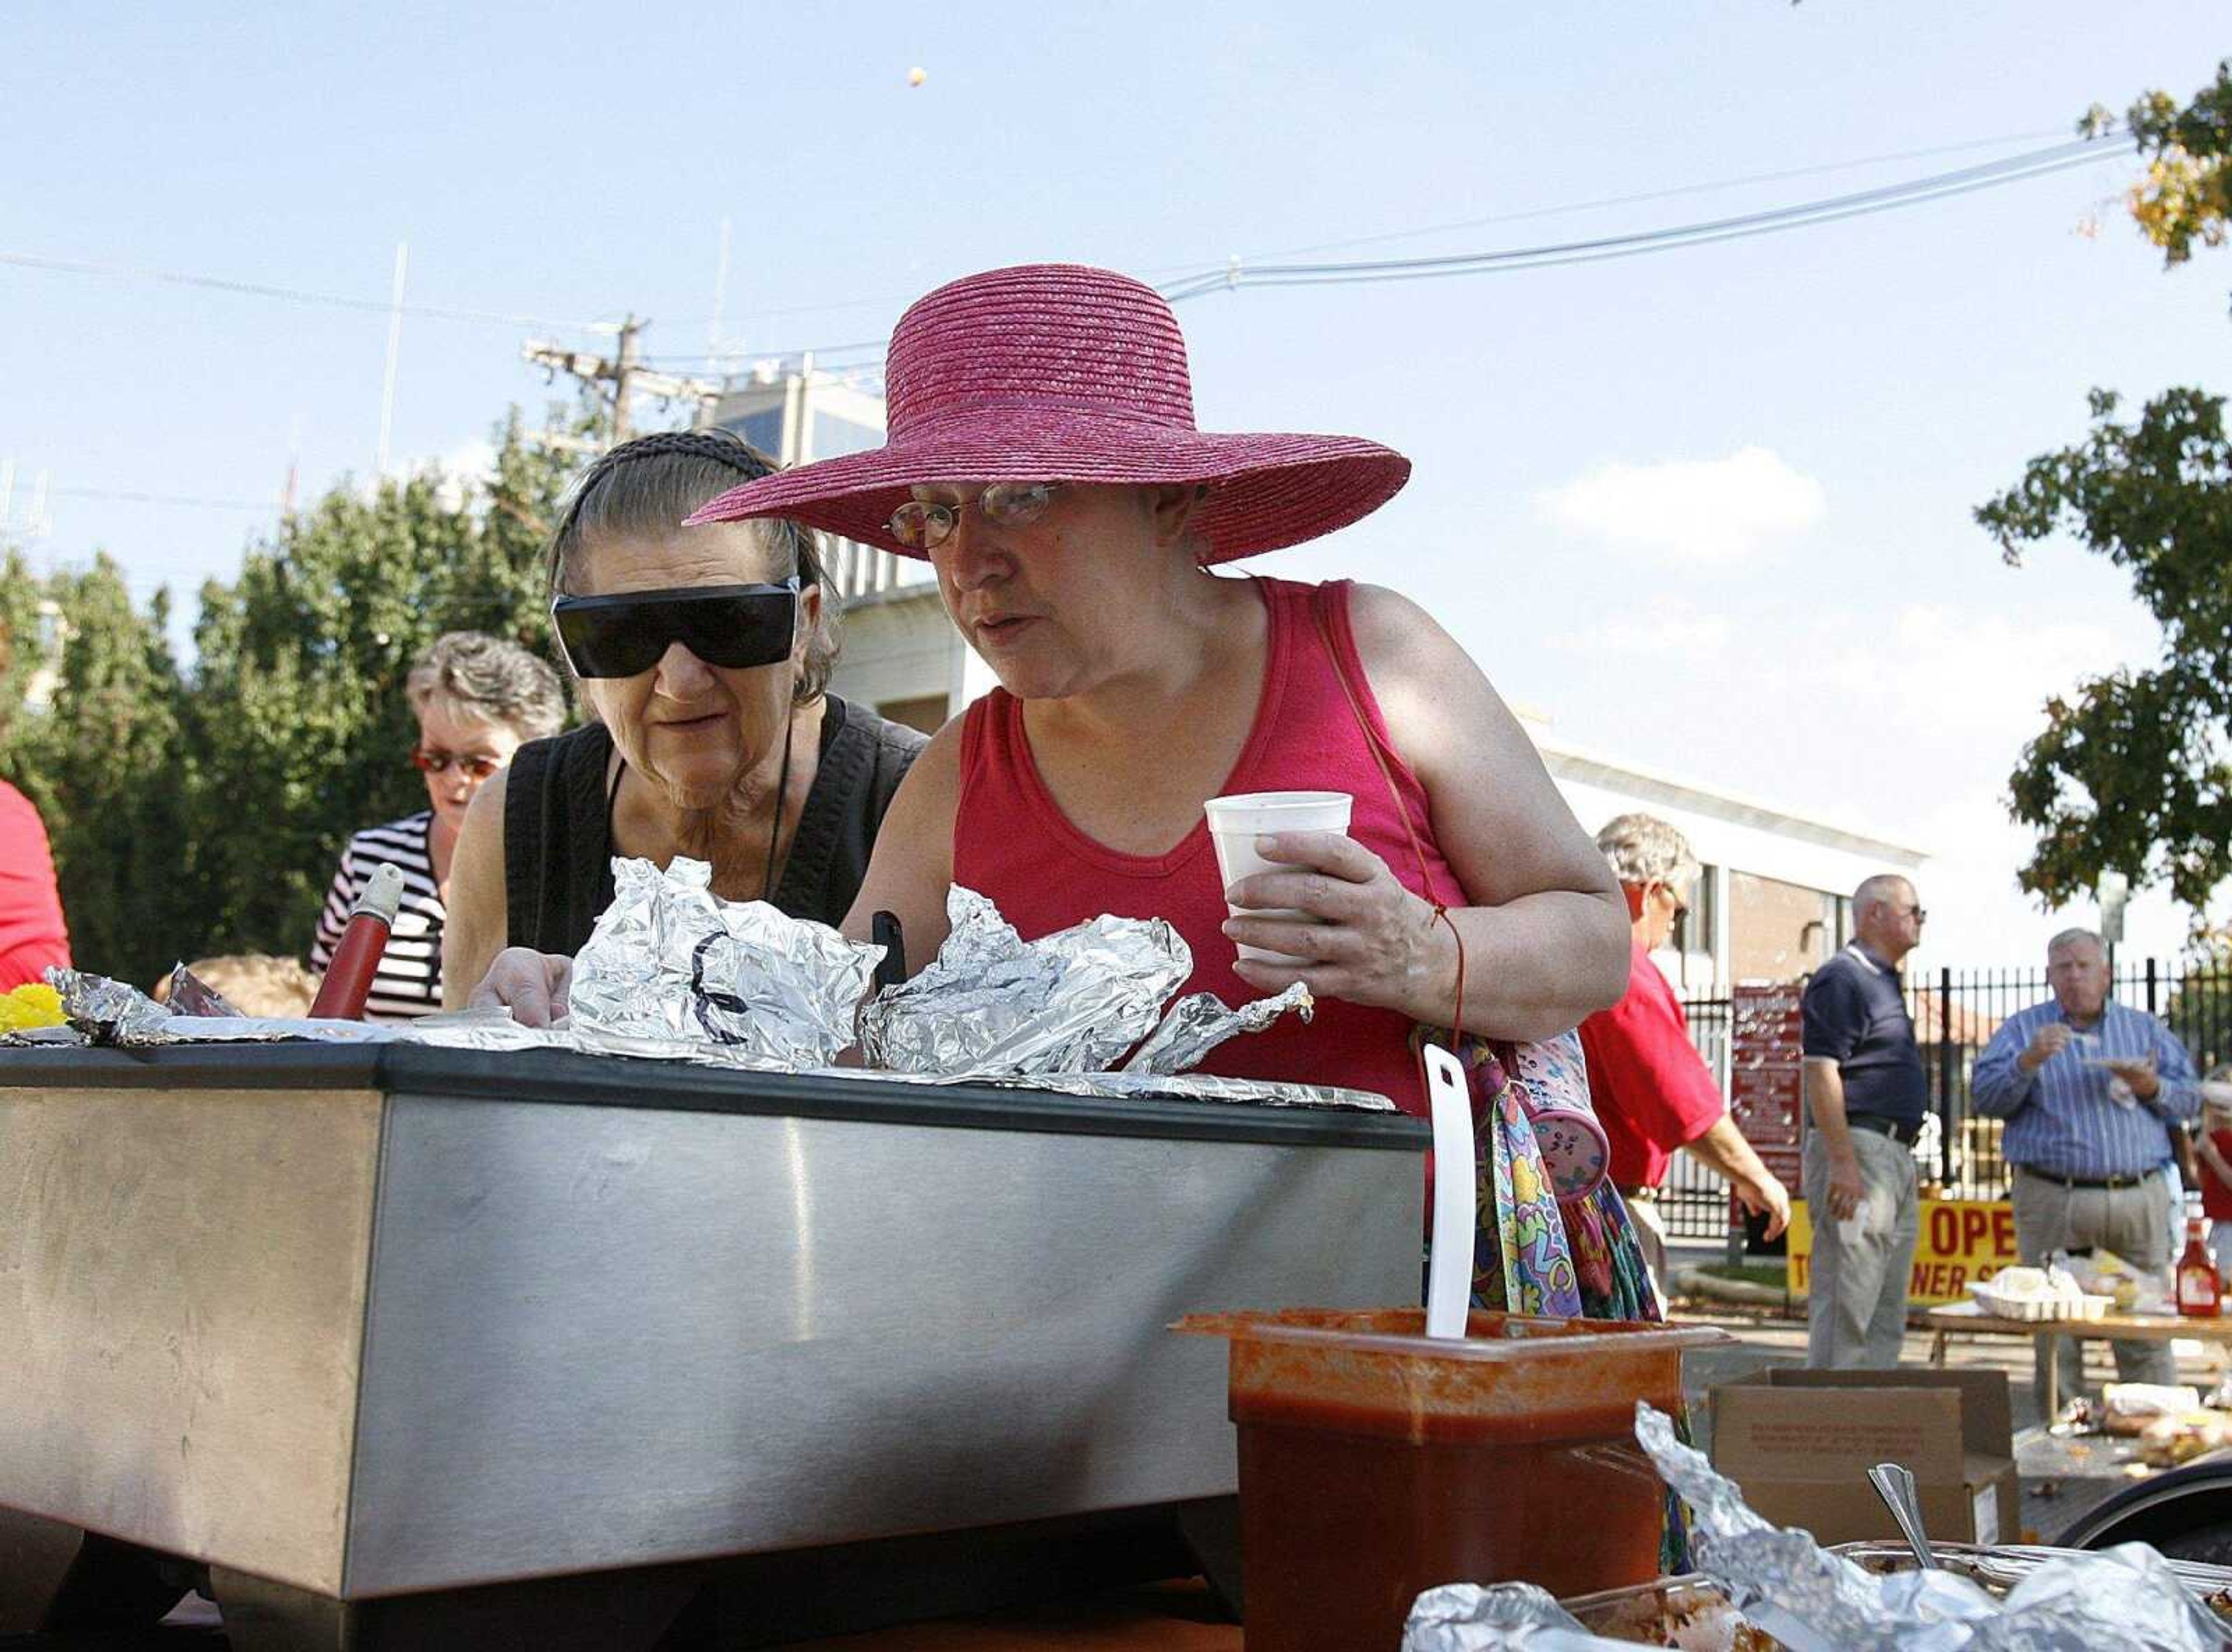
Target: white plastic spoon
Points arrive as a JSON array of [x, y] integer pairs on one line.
[[1449, 1266]]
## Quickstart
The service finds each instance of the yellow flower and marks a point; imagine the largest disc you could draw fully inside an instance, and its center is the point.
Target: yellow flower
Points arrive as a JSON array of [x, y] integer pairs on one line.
[[32, 1004], [1526, 1186]]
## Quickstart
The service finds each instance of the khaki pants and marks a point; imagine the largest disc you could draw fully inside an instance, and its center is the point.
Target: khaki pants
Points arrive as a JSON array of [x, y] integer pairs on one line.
[[1650, 1224], [2134, 1222], [1856, 1286]]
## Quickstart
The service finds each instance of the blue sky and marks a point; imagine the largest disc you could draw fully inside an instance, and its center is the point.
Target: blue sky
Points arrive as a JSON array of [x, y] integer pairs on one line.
[[1802, 610]]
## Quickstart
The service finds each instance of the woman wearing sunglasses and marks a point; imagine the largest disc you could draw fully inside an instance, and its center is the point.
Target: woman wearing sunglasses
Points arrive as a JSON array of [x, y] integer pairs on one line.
[[477, 700], [704, 656]]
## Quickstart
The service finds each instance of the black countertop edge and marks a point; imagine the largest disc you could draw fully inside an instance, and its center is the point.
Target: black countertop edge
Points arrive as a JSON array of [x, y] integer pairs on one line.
[[566, 1079]]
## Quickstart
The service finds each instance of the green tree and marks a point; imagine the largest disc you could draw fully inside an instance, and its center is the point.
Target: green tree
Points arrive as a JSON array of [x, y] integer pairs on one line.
[[203, 811], [2130, 773], [98, 750], [298, 724]]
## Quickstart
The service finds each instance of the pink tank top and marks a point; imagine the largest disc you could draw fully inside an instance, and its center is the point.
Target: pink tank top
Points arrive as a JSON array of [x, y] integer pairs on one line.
[[1305, 738]]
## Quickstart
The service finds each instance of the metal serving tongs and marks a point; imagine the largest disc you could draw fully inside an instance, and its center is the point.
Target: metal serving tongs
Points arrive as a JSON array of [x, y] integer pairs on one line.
[[1894, 1483]]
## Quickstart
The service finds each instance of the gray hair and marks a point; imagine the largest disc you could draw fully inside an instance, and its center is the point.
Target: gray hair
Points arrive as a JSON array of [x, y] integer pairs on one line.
[[2069, 938], [489, 678], [647, 486], [1882, 886], [1645, 850]]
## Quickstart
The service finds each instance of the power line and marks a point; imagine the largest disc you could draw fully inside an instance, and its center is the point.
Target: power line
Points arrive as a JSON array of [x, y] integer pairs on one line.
[[284, 294], [1912, 192], [2062, 157], [1782, 176], [816, 351], [131, 498], [1741, 181]]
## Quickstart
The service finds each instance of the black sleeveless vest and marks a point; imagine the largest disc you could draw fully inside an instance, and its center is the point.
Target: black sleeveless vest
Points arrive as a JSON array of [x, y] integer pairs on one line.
[[557, 827]]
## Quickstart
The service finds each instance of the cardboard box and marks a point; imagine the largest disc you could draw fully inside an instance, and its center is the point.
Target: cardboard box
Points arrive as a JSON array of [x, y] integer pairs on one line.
[[1800, 1444]]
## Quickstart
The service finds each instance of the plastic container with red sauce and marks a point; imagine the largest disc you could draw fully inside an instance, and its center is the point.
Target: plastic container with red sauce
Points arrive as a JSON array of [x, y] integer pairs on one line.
[[1377, 1462]]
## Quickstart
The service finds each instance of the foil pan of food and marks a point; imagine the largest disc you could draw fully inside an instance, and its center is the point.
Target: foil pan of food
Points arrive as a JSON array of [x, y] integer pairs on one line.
[[1692, 1612], [1781, 1590]]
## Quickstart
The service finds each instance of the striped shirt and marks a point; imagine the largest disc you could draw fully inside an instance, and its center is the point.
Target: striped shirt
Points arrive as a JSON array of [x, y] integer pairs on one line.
[[2060, 1119], [409, 982]]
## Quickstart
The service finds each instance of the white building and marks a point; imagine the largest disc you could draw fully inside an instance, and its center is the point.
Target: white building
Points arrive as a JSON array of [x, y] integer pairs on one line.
[[1776, 897]]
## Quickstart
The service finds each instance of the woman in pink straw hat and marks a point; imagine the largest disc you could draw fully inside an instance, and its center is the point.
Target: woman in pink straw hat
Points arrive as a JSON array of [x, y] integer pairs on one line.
[[1042, 457]]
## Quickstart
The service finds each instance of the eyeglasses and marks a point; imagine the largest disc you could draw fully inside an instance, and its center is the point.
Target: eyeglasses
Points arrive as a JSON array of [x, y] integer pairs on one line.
[[473, 765], [735, 627], [1915, 912], [922, 527]]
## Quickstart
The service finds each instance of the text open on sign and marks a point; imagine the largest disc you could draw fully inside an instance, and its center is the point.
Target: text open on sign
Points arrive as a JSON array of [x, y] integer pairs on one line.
[[1962, 1241]]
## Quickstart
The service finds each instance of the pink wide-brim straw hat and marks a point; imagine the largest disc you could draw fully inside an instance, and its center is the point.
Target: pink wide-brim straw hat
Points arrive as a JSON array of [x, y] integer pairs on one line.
[[1060, 372]]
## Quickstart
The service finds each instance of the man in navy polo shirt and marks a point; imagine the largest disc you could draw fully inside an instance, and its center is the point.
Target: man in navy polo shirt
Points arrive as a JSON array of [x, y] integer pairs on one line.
[[1865, 1097]]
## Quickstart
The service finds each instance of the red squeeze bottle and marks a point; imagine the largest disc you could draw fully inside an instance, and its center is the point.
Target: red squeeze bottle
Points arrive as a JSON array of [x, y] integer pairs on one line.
[[2198, 1294], [348, 977]]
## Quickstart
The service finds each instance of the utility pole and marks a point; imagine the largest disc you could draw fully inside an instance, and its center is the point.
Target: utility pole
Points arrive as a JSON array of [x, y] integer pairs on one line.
[[623, 370]]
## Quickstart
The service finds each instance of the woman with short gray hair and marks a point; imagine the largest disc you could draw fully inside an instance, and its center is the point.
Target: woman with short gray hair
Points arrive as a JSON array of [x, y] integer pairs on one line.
[[478, 700], [1646, 851]]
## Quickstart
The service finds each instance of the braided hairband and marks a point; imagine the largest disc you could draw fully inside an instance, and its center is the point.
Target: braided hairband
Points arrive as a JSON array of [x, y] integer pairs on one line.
[[722, 447]]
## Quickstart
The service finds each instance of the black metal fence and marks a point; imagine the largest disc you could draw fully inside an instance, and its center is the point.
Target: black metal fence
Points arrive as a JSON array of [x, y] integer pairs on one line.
[[1955, 1013]]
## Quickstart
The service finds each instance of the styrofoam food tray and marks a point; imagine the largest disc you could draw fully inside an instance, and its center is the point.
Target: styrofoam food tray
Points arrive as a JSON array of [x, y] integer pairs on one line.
[[2038, 1309]]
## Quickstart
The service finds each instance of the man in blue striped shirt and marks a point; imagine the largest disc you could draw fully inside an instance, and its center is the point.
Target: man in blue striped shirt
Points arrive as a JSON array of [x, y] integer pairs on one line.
[[2089, 1088]]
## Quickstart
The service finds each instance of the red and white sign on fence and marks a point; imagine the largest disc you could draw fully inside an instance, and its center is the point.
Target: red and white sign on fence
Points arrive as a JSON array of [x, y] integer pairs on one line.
[[1765, 1057]]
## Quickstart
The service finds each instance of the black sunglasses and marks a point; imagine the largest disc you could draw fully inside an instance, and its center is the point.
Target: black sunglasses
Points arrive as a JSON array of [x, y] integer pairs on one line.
[[628, 633]]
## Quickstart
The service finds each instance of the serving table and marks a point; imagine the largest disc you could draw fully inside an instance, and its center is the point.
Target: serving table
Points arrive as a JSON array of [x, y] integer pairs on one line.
[[396, 1345], [1967, 1320]]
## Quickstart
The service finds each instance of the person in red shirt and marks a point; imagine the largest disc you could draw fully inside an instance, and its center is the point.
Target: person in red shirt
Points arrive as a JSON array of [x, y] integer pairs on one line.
[[32, 934], [1654, 1093]]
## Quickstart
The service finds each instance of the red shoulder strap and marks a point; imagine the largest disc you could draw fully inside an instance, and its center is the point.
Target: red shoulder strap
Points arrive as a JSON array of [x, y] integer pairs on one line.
[[1321, 610]]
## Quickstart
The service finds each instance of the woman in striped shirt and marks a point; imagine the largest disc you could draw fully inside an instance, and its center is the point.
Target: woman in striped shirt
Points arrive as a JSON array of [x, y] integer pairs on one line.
[[477, 700]]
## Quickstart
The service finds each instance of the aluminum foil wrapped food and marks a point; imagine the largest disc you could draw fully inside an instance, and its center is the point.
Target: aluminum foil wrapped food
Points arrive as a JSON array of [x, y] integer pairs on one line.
[[1813, 1601], [109, 1012], [992, 1003], [1200, 1021], [103, 1011], [191, 995], [669, 961]]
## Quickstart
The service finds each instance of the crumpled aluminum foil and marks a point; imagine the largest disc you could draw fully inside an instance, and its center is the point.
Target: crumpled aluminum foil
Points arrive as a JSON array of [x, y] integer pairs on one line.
[[670, 960], [1196, 1086], [1813, 1601], [108, 1012], [1200, 1021], [114, 1012], [1466, 1617], [991, 1003], [191, 995]]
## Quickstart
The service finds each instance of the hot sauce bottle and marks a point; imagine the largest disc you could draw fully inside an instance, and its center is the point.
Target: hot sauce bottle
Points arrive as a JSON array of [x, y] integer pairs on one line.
[[2199, 1293], [348, 977]]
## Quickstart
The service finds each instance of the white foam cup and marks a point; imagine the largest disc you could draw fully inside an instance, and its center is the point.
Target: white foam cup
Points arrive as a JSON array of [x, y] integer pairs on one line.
[[1235, 822]]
